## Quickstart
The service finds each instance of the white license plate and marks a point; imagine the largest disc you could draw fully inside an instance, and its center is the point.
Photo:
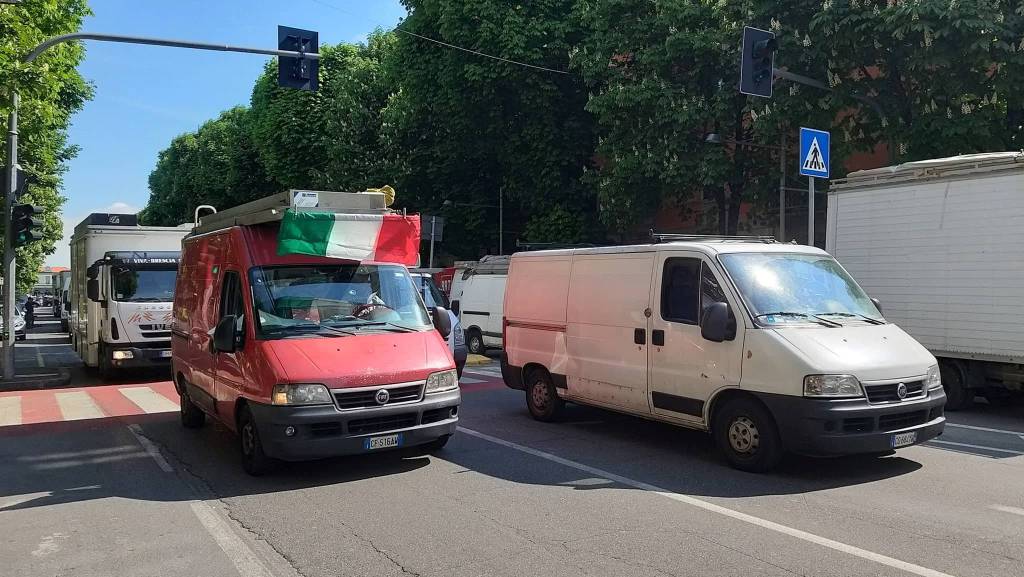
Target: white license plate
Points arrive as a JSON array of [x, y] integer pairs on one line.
[[904, 439], [165, 354], [386, 442]]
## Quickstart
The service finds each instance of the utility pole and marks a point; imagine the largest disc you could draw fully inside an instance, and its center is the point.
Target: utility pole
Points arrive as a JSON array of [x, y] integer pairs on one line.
[[501, 220], [782, 187], [10, 187]]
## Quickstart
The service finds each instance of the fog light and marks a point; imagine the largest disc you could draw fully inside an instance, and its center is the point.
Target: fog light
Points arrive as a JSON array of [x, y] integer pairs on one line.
[[289, 431], [122, 355], [455, 411]]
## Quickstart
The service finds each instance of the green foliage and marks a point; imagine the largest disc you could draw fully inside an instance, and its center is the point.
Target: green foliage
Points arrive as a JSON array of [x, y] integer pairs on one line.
[[51, 91]]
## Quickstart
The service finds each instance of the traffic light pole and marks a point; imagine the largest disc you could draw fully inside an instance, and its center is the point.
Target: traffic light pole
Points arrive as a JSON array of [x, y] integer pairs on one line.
[[11, 175]]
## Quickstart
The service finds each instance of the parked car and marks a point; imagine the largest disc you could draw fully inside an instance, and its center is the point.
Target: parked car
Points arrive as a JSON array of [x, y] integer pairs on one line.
[[19, 324], [433, 298], [769, 347]]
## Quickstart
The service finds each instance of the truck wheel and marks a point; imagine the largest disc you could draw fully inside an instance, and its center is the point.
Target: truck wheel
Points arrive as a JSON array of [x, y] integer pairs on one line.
[[541, 397], [746, 433], [106, 367], [958, 396], [475, 342], [254, 460], [192, 417]]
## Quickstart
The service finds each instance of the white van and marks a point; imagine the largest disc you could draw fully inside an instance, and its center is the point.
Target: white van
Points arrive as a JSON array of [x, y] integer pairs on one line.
[[770, 347], [480, 311]]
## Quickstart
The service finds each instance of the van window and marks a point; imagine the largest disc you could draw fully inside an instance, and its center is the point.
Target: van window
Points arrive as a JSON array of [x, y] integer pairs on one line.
[[231, 301], [710, 289], [680, 291]]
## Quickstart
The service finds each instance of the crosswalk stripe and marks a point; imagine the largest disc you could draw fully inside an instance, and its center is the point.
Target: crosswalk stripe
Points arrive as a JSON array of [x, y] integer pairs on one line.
[[149, 400], [10, 411], [78, 405]]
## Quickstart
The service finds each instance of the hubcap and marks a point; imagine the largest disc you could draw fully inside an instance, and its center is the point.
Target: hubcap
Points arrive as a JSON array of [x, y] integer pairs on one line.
[[540, 395], [743, 436], [248, 438]]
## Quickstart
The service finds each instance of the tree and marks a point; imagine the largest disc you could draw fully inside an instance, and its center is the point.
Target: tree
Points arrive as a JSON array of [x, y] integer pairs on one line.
[[51, 91]]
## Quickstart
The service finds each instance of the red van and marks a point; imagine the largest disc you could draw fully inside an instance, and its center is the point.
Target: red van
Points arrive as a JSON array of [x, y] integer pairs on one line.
[[306, 356]]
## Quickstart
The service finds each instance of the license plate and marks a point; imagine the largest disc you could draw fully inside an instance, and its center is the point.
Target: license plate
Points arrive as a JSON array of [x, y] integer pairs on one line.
[[904, 439], [165, 354], [386, 442]]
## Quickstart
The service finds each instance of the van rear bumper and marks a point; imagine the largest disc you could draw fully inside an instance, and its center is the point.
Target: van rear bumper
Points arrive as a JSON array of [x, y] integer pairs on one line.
[[832, 427], [323, 431]]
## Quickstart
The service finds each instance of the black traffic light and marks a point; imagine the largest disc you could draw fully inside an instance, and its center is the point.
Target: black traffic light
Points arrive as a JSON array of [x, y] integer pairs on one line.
[[757, 60], [294, 72], [26, 228]]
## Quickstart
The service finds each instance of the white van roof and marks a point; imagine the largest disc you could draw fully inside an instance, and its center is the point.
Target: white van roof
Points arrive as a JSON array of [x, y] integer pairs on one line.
[[710, 247]]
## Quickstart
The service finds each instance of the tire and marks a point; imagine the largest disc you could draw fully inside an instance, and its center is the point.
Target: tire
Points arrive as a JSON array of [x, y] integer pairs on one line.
[[541, 397], [746, 433], [437, 444], [475, 342], [192, 417], [958, 396], [105, 367], [64, 326], [254, 460]]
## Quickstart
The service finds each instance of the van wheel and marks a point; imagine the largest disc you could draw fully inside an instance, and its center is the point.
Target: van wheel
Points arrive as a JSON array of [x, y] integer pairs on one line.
[[254, 460], [541, 397], [192, 417], [475, 342], [745, 431], [958, 396]]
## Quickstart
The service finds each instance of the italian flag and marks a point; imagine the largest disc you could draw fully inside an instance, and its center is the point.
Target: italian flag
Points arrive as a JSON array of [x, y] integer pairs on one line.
[[374, 237]]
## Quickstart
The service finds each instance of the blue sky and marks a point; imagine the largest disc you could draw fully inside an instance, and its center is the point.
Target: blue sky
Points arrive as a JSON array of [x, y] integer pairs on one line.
[[147, 95]]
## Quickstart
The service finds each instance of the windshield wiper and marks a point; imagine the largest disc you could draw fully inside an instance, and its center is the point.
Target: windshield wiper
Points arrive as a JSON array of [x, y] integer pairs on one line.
[[388, 324], [864, 318], [817, 319], [305, 328]]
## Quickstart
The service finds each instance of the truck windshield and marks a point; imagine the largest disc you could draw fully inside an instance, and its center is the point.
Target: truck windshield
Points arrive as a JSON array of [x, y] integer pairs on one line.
[[350, 297], [798, 289], [142, 284]]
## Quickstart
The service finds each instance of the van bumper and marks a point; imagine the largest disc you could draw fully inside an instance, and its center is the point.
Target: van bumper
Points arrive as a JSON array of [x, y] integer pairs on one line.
[[832, 427], [511, 374], [323, 431]]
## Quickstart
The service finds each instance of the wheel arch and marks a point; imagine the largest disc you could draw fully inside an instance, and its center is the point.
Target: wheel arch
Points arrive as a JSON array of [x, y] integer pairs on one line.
[[723, 397]]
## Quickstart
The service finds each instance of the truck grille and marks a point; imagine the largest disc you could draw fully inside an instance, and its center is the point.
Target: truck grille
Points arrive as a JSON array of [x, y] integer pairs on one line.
[[888, 394], [378, 424], [368, 398], [902, 420]]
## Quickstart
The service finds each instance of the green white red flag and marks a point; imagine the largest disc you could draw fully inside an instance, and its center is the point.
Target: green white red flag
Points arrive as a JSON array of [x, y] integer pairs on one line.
[[364, 237]]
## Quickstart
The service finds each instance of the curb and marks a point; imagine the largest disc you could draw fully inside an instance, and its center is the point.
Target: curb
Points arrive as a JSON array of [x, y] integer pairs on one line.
[[33, 382], [477, 360]]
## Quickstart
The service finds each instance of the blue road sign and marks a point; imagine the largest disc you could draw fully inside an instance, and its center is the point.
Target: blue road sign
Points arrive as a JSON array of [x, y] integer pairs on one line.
[[814, 152]]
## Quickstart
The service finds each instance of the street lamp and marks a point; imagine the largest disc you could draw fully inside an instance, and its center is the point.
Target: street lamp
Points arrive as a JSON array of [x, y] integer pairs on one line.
[[501, 215]]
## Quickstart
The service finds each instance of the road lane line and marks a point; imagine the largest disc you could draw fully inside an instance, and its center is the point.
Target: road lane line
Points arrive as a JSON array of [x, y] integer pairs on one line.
[[10, 411], [986, 429], [39, 357], [77, 406], [970, 446], [1006, 509], [240, 554], [150, 448], [149, 400], [713, 508], [14, 500]]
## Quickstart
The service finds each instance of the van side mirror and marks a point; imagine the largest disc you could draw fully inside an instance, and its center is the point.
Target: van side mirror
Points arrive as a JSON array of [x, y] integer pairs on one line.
[[442, 322], [224, 335], [878, 305], [718, 323], [92, 290]]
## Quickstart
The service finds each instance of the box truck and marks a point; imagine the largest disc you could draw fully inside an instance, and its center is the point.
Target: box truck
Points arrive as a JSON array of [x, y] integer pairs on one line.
[[938, 242], [121, 291]]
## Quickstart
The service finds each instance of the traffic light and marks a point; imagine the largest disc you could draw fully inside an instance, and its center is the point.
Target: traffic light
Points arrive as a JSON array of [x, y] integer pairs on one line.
[[757, 60], [26, 228], [293, 72]]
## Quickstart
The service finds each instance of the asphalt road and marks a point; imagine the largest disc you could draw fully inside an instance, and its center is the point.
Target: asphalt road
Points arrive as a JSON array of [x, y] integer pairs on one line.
[[598, 494]]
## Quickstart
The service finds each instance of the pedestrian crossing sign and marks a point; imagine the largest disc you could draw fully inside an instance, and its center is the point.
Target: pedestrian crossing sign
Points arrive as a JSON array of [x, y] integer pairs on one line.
[[814, 152]]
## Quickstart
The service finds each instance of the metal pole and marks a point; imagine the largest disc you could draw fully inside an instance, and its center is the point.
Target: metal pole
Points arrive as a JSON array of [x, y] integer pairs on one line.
[[782, 187], [10, 185], [164, 42], [501, 220], [810, 210], [433, 223]]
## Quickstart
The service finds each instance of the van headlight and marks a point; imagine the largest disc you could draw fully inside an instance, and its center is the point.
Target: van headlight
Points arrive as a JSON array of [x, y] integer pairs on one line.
[[933, 380], [442, 381], [832, 386], [302, 394]]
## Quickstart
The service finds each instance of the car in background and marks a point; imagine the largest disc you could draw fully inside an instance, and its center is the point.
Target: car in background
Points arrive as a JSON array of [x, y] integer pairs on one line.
[[18, 322], [433, 297]]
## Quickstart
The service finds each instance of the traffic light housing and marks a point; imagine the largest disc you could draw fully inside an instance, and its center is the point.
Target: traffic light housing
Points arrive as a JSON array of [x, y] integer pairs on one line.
[[26, 227], [757, 62], [294, 72]]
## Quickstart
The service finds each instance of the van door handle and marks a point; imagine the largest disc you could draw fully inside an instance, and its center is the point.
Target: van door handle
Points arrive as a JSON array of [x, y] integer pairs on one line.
[[639, 336], [658, 338]]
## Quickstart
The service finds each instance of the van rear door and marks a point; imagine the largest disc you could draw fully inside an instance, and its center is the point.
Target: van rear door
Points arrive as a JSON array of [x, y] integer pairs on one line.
[[686, 369]]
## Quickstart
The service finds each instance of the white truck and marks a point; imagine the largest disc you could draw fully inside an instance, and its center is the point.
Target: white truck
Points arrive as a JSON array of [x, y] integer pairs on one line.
[[938, 243], [61, 280], [121, 292]]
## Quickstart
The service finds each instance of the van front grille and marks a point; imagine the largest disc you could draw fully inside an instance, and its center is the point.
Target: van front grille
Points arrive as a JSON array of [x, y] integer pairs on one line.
[[378, 424], [902, 420], [368, 398], [889, 393]]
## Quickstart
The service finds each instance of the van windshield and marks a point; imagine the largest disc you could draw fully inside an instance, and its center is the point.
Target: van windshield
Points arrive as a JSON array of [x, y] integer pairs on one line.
[[798, 289], [143, 284], [335, 299]]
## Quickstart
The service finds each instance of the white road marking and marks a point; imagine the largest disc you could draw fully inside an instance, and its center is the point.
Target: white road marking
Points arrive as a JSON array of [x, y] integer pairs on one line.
[[13, 500], [49, 545], [1006, 509], [10, 411], [970, 446], [78, 405], [150, 448], [149, 400], [39, 358], [713, 508], [243, 557], [986, 429]]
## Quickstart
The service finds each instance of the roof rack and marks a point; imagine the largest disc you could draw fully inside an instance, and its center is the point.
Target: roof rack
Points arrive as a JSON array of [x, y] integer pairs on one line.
[[528, 246], [273, 207], [674, 237]]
